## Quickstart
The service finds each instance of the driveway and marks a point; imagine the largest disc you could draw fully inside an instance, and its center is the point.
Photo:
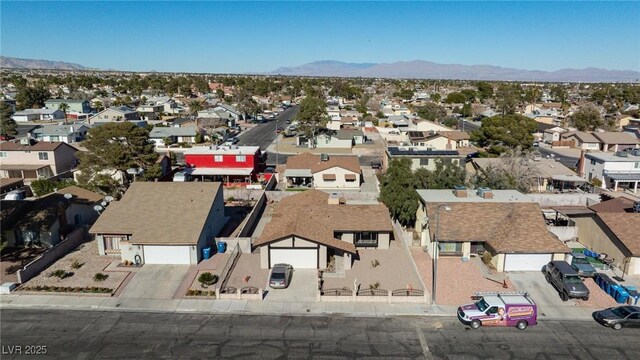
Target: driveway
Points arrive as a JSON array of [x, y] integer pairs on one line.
[[544, 294], [303, 288], [155, 282]]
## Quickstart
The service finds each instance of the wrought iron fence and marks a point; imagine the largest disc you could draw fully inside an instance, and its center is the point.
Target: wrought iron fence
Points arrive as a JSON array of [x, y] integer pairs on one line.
[[228, 290], [407, 292], [249, 290], [337, 292], [372, 292], [231, 262]]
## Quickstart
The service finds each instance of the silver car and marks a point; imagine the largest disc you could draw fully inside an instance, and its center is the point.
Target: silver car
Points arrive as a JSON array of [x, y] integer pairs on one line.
[[280, 276]]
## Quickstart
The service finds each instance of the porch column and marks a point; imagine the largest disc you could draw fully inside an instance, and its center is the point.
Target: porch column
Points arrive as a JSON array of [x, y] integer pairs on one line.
[[615, 185], [635, 187]]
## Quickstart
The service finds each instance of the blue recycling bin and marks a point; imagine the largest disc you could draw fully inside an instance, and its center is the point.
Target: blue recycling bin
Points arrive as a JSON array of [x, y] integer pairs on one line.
[[607, 283], [613, 288], [634, 295], [206, 253], [222, 247], [621, 295]]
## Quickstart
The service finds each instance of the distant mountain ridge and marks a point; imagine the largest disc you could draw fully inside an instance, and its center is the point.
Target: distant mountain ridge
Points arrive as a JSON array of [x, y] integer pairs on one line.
[[7, 62], [420, 69]]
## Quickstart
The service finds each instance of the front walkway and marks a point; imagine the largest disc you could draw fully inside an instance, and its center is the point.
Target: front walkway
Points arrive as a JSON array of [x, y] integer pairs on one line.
[[155, 282], [303, 288]]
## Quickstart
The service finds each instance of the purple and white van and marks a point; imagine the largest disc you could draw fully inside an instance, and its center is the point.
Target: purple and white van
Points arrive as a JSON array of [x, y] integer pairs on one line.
[[499, 309]]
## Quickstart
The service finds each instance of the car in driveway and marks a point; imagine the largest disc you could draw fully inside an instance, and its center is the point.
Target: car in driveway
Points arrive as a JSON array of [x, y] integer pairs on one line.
[[619, 317], [580, 264], [280, 276], [566, 280]]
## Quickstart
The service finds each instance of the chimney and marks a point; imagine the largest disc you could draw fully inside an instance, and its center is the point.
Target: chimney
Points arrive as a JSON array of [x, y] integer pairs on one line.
[[335, 199], [485, 193], [581, 163], [460, 191]]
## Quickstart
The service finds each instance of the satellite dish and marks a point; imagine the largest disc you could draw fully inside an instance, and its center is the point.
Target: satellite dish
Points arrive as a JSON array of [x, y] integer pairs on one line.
[[132, 171], [68, 196], [98, 208], [104, 203], [108, 198]]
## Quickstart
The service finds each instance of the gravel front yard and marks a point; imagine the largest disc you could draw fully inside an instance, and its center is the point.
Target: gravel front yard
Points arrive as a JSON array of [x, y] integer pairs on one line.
[[86, 254], [598, 298]]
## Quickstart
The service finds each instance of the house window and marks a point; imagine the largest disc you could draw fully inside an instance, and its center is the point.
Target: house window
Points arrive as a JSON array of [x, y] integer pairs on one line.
[[217, 158], [365, 238], [450, 248], [3, 154], [241, 158], [636, 165], [43, 156], [593, 161], [424, 162], [112, 243]]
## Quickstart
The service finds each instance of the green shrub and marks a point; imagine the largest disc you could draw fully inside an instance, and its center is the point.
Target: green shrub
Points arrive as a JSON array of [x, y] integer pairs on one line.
[[375, 263], [59, 274], [207, 279], [100, 277], [375, 285], [76, 264]]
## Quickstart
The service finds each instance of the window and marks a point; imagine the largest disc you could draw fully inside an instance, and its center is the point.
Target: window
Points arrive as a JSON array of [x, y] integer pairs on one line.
[[636, 165], [593, 161], [365, 238], [424, 162], [217, 158], [3, 154], [450, 248], [43, 156], [241, 158]]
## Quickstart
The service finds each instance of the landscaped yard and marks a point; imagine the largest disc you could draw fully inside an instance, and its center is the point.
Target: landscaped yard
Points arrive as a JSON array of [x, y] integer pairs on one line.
[[13, 259], [388, 269], [247, 272], [78, 270]]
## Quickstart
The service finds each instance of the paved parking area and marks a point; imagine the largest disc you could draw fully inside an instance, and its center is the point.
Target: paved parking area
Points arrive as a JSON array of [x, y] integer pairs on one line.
[[155, 282], [303, 287]]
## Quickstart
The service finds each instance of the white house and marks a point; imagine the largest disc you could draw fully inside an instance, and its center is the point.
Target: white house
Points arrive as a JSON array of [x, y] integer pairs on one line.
[[174, 134], [38, 115], [65, 133], [615, 170], [323, 171]]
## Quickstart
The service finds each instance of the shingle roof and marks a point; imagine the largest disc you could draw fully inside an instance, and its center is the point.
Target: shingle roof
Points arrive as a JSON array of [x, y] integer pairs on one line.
[[308, 215], [39, 146], [312, 162], [455, 135], [625, 227], [582, 136], [160, 212], [615, 138], [162, 132], [80, 194], [619, 204], [505, 227]]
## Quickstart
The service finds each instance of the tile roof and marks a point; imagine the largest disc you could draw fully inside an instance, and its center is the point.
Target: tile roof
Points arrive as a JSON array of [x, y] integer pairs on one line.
[[514, 227], [625, 227], [310, 216], [171, 213], [312, 162]]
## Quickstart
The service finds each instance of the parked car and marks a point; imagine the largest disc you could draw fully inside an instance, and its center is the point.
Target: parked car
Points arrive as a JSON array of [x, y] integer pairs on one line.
[[619, 317], [280, 276], [566, 280], [288, 122], [500, 309], [580, 264], [279, 130], [16, 195]]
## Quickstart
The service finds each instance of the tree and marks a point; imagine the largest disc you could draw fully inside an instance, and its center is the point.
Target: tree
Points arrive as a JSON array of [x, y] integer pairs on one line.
[[435, 97], [507, 98], [7, 124], [515, 170], [444, 176], [112, 149], [64, 107], [485, 90], [406, 94], [455, 98], [43, 187], [32, 97], [312, 117], [431, 112], [466, 110], [450, 121], [499, 133], [195, 106], [397, 191], [587, 118], [220, 94], [559, 94], [469, 94]]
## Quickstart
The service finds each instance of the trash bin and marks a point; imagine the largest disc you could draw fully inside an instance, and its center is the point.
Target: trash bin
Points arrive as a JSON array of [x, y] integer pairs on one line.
[[606, 283], [206, 253], [222, 247], [613, 288], [621, 295], [634, 295]]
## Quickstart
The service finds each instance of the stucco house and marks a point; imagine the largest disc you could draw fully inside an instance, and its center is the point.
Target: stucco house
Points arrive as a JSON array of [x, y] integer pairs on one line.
[[423, 158], [114, 114], [323, 171], [162, 222], [173, 134], [78, 106], [582, 140], [41, 160], [506, 224], [65, 133], [27, 115], [615, 170], [309, 229]]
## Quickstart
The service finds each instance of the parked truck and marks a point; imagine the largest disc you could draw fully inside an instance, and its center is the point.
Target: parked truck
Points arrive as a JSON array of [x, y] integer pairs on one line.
[[499, 309]]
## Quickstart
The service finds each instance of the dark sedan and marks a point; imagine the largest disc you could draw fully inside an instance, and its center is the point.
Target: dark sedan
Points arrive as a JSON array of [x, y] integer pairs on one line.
[[619, 317]]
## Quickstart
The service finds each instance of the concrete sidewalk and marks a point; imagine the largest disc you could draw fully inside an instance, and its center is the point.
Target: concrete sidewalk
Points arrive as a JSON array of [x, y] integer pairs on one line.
[[17, 301]]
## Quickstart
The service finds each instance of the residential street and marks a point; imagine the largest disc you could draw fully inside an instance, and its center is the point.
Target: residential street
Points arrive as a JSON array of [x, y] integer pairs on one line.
[[94, 334], [264, 134]]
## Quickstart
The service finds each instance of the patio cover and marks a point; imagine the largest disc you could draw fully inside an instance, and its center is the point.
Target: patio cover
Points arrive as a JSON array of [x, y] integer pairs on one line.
[[624, 177], [569, 178], [297, 173], [222, 171]]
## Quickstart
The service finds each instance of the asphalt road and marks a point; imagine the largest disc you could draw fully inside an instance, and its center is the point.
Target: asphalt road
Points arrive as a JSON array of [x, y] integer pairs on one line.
[[567, 161], [128, 335], [264, 134]]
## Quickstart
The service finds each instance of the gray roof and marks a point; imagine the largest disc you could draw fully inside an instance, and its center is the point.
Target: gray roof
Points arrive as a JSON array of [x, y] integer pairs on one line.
[[36, 112], [58, 129], [66, 101], [612, 157], [229, 108], [582, 136], [616, 138], [442, 196], [122, 109], [546, 168], [163, 132], [348, 134]]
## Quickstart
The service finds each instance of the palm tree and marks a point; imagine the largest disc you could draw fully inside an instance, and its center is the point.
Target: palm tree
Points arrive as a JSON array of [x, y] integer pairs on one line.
[[64, 107]]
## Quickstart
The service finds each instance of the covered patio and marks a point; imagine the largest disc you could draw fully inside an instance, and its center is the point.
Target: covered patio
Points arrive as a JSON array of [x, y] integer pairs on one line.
[[26, 171], [628, 181], [228, 176], [298, 178], [565, 183]]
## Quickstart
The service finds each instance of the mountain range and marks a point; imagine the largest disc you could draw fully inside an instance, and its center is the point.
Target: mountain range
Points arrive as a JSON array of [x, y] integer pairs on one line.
[[16, 63], [420, 69]]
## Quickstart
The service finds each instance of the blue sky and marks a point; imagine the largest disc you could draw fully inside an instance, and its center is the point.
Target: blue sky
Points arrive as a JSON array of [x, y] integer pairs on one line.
[[228, 37]]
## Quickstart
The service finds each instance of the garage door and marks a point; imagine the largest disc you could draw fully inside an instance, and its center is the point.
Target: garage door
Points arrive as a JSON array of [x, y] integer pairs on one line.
[[166, 254], [526, 262], [298, 258]]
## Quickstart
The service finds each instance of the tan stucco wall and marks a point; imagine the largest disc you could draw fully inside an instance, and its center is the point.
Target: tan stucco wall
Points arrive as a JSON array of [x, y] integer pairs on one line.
[[383, 241], [339, 183], [498, 262], [264, 257], [593, 236], [129, 252], [466, 249], [633, 268], [322, 263], [559, 256]]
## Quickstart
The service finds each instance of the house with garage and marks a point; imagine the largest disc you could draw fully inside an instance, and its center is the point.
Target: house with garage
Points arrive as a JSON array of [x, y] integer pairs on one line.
[[504, 226], [77, 106], [582, 140], [28, 115], [323, 171], [65, 133], [616, 141], [612, 228], [313, 228], [161, 222], [114, 114]]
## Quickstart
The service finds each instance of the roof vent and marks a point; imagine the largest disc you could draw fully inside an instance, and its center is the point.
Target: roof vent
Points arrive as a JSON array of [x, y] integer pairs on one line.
[[635, 152], [485, 193], [335, 199], [324, 157], [460, 191], [622, 154]]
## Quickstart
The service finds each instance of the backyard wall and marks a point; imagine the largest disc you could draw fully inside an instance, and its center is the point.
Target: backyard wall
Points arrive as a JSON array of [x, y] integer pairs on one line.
[[75, 238], [564, 233], [577, 199], [253, 218]]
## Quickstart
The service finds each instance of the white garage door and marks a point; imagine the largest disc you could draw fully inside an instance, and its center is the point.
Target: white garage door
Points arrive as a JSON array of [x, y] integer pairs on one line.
[[298, 258], [526, 262], [154, 254]]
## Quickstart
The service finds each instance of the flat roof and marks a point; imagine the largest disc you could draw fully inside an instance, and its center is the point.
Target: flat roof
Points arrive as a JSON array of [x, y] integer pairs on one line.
[[222, 171], [612, 157], [446, 195], [222, 150]]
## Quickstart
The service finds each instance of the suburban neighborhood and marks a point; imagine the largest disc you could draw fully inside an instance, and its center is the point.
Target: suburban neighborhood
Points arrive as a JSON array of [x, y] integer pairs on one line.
[[322, 193]]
